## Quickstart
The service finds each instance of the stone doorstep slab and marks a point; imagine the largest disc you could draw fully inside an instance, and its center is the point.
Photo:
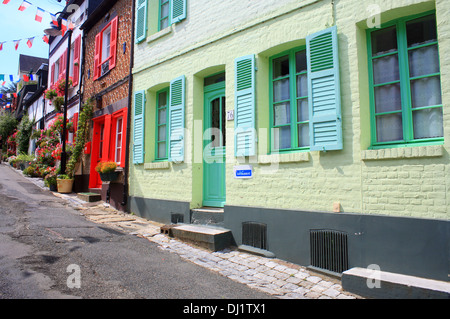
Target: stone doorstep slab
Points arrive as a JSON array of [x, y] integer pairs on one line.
[[393, 286], [89, 197], [208, 237]]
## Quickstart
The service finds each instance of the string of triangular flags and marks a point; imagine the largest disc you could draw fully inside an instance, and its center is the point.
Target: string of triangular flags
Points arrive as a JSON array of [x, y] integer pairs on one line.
[[38, 17], [15, 78]]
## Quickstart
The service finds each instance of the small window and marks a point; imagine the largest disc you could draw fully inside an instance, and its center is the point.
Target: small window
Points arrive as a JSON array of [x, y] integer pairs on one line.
[[405, 80], [289, 101], [119, 136], [162, 124], [56, 73], [164, 17], [106, 44]]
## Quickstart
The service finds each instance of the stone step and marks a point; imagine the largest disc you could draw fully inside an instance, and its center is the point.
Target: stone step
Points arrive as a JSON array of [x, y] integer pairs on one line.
[[211, 238], [89, 197], [386, 285], [207, 216]]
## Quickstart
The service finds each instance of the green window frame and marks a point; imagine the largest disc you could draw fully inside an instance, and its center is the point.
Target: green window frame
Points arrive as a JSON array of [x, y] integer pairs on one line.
[[405, 83], [162, 125], [288, 94], [164, 14]]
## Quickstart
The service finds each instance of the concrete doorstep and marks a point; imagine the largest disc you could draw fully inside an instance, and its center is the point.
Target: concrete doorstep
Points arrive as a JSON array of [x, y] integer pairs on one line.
[[371, 283]]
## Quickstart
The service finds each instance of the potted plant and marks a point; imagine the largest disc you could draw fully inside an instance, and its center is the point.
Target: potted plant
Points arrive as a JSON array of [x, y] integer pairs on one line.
[[107, 171], [50, 181], [64, 183]]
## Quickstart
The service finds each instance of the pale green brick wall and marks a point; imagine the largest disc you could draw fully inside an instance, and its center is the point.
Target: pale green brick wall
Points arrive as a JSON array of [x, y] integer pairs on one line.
[[402, 182]]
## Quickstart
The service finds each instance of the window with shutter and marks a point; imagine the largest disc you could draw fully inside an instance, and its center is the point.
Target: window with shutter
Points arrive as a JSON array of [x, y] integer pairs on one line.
[[76, 60], [244, 112], [176, 119], [177, 10], [106, 49], [141, 20], [325, 123], [138, 127]]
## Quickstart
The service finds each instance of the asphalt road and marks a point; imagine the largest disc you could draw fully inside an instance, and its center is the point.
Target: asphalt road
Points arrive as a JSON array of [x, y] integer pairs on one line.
[[48, 250]]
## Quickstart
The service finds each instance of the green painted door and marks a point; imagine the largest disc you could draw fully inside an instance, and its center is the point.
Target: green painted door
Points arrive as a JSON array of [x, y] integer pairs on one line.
[[214, 146]]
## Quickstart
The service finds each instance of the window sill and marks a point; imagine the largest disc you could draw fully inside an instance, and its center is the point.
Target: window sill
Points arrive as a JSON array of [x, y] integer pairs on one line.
[[284, 158], [159, 34], [157, 165], [403, 153]]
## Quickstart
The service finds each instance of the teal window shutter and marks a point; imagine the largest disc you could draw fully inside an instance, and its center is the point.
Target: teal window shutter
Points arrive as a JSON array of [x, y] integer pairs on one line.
[[325, 129], [141, 20], [244, 107], [176, 119], [177, 10], [138, 127]]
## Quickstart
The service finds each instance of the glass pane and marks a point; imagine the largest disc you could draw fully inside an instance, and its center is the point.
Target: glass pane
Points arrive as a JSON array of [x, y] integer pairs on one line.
[[384, 41], [162, 133], [303, 135], [300, 62], [426, 92], [162, 99], [282, 137], [164, 23], [423, 61], [281, 67], [118, 155], [302, 110], [214, 79], [428, 123], [161, 150], [281, 114], [386, 69], [162, 116], [281, 90], [302, 85], [389, 127], [421, 31], [388, 98], [165, 10]]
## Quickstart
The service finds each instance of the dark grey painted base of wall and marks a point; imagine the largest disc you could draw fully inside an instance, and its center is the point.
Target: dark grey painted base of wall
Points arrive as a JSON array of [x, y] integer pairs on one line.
[[158, 210], [411, 246]]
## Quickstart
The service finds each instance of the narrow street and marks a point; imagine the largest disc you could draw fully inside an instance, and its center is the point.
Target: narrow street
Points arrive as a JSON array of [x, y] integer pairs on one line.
[[48, 250]]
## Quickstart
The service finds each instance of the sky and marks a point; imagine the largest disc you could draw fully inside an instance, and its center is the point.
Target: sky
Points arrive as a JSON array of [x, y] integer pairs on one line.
[[15, 25]]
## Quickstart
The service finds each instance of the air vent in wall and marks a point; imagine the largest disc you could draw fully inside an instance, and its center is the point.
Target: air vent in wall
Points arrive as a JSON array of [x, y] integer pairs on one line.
[[329, 250]]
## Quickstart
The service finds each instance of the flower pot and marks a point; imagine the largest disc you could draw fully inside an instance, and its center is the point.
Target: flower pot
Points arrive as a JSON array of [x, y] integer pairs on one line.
[[109, 177], [64, 185], [53, 187]]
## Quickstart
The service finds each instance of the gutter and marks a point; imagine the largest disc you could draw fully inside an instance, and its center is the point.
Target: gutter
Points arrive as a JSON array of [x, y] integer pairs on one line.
[[130, 100]]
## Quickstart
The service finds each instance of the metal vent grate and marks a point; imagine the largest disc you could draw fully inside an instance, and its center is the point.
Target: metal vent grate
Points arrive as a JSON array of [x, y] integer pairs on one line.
[[329, 250], [254, 234]]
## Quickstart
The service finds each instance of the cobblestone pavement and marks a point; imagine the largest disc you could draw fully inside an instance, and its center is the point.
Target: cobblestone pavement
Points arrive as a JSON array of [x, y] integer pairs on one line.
[[276, 277]]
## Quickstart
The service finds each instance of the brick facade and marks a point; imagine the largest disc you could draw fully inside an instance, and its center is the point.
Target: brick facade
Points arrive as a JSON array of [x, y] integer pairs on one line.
[[122, 9]]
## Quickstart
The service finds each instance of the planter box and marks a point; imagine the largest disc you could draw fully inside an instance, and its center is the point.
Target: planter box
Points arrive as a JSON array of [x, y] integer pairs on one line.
[[109, 177], [64, 185]]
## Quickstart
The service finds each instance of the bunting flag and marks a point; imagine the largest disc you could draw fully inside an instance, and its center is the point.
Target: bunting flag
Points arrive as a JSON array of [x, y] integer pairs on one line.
[[54, 19], [25, 4], [6, 1], [30, 42], [39, 14], [16, 44], [63, 26], [26, 78], [45, 38], [1, 45]]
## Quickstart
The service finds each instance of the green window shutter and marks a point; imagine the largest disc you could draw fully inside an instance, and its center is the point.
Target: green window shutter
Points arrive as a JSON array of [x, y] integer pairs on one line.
[[141, 20], [324, 91], [244, 109], [138, 127], [177, 10], [176, 119]]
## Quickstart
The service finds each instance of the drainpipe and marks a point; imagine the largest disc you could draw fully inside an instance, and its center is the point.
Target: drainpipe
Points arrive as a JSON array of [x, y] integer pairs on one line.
[[130, 100]]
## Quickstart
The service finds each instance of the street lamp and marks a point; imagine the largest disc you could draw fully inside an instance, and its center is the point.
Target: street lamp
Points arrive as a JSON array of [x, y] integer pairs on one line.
[[53, 31]]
